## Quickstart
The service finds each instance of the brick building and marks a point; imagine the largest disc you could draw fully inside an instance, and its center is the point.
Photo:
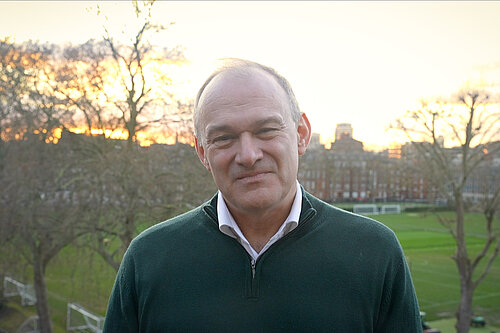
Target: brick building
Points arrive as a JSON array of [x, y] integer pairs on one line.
[[348, 173]]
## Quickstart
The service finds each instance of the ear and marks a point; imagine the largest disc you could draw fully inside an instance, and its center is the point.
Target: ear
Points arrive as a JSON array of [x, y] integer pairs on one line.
[[201, 153], [303, 134]]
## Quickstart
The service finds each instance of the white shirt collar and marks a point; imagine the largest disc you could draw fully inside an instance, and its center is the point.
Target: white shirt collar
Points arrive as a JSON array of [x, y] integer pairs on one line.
[[228, 225]]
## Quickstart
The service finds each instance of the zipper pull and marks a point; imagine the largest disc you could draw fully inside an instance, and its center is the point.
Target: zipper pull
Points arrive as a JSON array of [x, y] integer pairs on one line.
[[253, 268]]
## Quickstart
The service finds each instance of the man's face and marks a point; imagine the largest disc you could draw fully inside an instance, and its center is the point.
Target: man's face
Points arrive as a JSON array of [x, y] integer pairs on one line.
[[249, 142]]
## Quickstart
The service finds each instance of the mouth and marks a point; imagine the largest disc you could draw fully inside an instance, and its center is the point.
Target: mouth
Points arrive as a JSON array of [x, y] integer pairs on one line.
[[252, 177]]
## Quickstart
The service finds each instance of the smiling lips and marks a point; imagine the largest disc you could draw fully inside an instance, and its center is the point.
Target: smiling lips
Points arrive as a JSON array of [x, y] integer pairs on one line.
[[252, 176]]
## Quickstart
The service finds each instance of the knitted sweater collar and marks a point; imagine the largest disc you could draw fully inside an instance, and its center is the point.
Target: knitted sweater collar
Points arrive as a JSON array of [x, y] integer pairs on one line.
[[210, 207]]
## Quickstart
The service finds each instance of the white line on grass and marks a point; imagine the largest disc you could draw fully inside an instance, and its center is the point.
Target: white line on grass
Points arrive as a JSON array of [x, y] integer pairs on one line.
[[446, 285], [433, 305], [486, 281]]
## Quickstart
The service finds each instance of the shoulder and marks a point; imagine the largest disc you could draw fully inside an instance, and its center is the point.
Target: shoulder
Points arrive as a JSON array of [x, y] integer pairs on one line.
[[171, 233], [356, 228], [173, 225]]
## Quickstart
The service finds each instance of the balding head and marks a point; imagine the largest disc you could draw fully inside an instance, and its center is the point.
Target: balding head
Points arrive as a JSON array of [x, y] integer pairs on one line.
[[240, 68]]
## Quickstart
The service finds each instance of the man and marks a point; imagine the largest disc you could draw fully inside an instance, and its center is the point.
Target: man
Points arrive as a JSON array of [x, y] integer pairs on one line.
[[263, 255]]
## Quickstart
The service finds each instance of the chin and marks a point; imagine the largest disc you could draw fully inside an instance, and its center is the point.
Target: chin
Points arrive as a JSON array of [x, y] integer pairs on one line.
[[258, 201]]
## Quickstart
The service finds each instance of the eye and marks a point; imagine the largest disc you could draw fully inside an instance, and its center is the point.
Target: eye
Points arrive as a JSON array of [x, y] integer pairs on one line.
[[267, 132], [223, 140]]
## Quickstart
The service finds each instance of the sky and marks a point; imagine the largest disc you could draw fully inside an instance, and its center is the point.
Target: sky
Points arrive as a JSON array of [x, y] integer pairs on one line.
[[363, 63]]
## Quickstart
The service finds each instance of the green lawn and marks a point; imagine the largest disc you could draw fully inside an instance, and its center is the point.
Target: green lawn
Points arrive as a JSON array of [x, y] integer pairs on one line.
[[448, 326], [428, 248], [79, 276]]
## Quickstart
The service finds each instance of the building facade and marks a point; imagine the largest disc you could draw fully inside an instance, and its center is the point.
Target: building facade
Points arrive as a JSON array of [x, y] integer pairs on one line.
[[348, 173]]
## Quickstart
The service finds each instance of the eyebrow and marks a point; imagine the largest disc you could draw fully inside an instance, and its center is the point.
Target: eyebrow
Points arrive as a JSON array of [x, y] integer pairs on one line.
[[211, 129], [270, 120]]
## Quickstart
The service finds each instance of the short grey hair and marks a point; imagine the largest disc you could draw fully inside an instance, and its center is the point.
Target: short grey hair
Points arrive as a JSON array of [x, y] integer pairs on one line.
[[242, 66]]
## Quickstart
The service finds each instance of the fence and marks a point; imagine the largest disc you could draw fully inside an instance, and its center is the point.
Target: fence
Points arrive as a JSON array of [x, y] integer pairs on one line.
[[78, 318], [12, 287], [372, 209]]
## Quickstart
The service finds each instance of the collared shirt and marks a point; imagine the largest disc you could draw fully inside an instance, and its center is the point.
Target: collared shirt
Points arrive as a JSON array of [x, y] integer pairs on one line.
[[228, 225]]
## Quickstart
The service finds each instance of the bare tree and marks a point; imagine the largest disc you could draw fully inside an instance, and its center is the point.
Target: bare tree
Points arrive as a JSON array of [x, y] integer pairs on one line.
[[116, 85], [54, 193], [137, 187], [82, 78], [137, 71], [45, 213], [472, 127], [44, 194]]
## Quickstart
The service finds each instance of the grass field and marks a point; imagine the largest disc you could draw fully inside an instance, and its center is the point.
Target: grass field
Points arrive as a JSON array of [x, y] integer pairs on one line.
[[448, 326], [77, 275], [428, 248]]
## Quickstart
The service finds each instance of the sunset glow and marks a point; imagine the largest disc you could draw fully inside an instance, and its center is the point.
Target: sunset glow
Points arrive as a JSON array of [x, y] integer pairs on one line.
[[364, 63], [145, 139]]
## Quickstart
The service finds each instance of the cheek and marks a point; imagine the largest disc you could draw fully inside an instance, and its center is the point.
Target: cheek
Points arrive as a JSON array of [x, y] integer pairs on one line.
[[287, 159], [219, 160], [284, 154]]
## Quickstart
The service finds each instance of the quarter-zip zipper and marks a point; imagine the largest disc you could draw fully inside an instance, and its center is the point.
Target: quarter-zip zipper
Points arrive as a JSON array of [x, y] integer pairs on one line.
[[252, 264], [252, 283], [253, 292]]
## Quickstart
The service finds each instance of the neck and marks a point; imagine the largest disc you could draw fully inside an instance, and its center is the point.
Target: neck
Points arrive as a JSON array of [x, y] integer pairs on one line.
[[259, 229], [259, 226]]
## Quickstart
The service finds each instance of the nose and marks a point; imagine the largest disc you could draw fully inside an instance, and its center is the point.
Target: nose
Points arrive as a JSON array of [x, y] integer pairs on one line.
[[249, 150]]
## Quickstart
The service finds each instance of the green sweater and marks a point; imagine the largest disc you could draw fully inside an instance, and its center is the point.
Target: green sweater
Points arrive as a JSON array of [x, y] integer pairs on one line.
[[336, 272]]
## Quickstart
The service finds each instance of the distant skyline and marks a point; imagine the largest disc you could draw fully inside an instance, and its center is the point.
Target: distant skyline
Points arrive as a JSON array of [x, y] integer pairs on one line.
[[363, 63]]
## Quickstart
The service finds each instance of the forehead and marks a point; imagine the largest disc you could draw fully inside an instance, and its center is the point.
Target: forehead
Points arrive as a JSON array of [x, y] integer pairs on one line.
[[239, 94]]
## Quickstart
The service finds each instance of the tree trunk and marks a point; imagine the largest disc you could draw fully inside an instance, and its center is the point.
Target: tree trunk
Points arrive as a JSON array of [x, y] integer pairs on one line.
[[128, 233], [464, 312], [107, 256], [42, 304]]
